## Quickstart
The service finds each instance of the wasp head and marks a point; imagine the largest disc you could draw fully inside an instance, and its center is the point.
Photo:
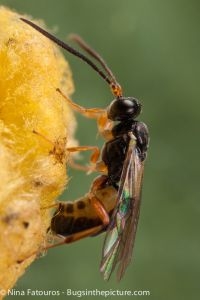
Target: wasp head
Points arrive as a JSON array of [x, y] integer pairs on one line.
[[123, 108]]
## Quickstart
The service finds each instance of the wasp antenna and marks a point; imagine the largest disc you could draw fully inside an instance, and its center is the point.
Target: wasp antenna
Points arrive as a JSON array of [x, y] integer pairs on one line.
[[115, 86], [69, 49], [116, 89], [76, 38]]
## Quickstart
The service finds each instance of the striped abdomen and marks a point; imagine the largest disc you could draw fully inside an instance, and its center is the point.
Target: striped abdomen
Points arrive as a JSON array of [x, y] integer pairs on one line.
[[73, 217]]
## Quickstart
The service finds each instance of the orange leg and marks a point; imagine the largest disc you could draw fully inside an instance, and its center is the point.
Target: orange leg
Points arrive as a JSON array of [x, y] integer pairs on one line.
[[98, 167], [72, 164], [77, 236], [95, 155], [104, 124], [59, 151], [98, 183], [93, 158], [69, 239], [100, 211], [92, 113], [50, 206], [59, 147], [44, 137], [80, 235]]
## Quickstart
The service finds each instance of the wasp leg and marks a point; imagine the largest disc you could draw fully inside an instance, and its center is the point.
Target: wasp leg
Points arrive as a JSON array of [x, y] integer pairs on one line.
[[80, 235], [100, 211], [50, 206], [98, 167], [93, 158], [59, 146], [92, 113], [95, 155], [104, 124], [60, 150], [42, 136], [77, 236], [76, 166]]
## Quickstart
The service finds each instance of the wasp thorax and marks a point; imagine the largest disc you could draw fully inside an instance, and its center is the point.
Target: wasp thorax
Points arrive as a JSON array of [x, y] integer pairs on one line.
[[123, 108]]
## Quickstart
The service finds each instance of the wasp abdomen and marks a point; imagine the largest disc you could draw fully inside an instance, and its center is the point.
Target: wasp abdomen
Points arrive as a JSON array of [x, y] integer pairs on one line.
[[77, 216], [68, 225], [72, 217]]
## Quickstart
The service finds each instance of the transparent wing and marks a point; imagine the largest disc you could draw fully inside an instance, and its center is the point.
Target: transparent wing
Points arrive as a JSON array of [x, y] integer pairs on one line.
[[120, 236]]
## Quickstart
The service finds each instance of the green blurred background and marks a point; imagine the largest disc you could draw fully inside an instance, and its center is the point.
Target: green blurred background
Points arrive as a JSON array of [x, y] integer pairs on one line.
[[153, 47]]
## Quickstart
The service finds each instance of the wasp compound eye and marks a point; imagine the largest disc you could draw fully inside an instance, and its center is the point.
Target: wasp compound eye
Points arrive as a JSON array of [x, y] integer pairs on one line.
[[123, 108]]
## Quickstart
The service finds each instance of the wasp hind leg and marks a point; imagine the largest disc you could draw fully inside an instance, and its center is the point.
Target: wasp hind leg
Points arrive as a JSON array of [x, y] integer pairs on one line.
[[76, 236]]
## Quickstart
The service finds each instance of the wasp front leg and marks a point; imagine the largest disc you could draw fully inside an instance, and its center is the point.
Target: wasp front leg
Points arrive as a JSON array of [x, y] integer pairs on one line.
[[104, 124], [92, 113]]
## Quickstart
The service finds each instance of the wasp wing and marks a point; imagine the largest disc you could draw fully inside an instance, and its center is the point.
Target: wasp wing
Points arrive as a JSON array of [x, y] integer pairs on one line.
[[120, 236]]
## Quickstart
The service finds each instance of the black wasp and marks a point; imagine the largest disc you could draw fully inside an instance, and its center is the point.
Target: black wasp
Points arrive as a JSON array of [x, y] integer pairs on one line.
[[113, 202]]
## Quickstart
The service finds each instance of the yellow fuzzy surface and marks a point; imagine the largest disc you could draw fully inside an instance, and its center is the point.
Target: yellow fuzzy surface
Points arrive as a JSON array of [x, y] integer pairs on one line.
[[32, 166]]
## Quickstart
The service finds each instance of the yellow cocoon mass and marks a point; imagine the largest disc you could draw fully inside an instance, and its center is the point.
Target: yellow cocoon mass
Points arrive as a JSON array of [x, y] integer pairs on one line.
[[35, 127]]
